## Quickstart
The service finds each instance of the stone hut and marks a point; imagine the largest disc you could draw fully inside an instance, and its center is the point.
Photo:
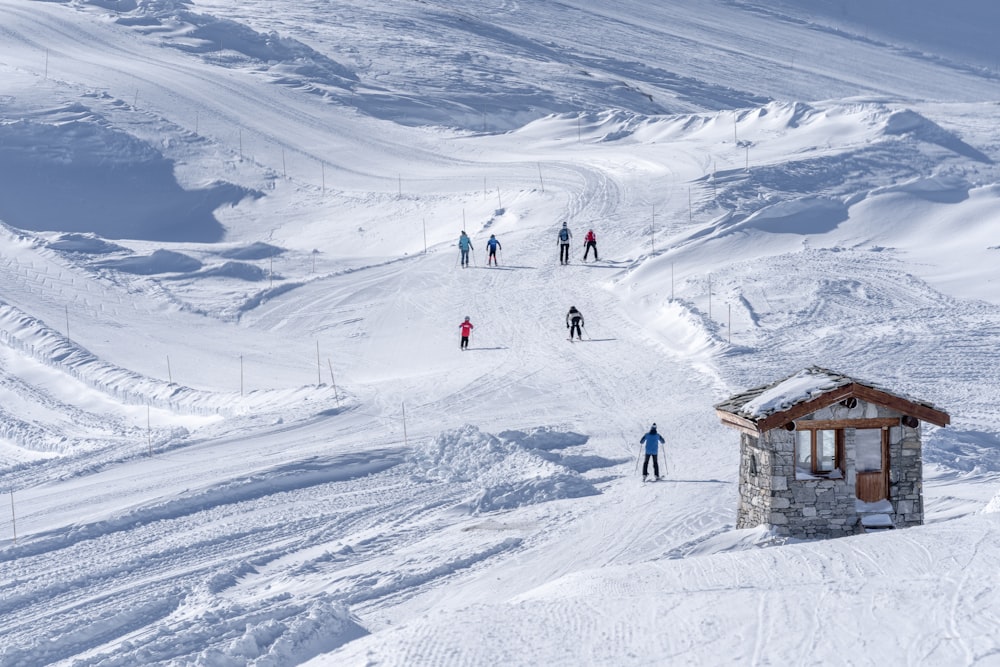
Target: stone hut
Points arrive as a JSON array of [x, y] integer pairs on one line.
[[826, 455]]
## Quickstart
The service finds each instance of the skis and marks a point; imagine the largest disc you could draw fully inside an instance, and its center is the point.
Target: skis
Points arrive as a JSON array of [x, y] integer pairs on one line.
[[652, 479]]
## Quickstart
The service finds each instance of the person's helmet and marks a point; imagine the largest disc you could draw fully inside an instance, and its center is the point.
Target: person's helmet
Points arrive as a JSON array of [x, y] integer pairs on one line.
[[467, 319], [653, 428], [564, 223], [492, 236]]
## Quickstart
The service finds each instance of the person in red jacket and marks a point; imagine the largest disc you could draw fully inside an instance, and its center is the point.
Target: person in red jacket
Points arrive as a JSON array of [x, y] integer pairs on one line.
[[590, 241], [466, 328]]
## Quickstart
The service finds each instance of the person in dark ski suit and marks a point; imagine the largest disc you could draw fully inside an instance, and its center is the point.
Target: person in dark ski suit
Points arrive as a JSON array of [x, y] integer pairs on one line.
[[564, 238], [652, 440], [465, 245], [590, 241], [574, 322], [466, 328], [491, 247]]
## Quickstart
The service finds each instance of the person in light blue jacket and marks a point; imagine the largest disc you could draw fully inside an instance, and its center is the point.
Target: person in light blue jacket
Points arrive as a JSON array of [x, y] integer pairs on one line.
[[652, 440], [465, 245]]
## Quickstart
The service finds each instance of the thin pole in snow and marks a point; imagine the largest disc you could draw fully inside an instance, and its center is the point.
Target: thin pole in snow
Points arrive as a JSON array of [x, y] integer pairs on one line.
[[399, 181], [284, 168], [671, 281], [404, 423], [333, 381], [499, 201], [13, 519], [652, 231], [540, 180], [170, 377]]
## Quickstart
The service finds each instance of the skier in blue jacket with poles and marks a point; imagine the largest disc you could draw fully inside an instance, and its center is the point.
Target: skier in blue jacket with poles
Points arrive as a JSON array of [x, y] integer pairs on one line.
[[652, 440]]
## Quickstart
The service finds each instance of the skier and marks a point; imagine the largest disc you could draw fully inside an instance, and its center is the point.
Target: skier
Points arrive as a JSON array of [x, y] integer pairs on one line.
[[465, 245], [492, 246], [564, 238], [574, 322], [652, 441], [466, 328], [590, 241]]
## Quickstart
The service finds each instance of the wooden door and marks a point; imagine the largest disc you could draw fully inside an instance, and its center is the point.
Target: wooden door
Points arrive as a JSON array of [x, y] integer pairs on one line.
[[871, 452]]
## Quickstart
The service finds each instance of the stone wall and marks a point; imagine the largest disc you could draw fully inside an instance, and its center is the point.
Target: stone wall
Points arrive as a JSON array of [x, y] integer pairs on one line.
[[817, 507]]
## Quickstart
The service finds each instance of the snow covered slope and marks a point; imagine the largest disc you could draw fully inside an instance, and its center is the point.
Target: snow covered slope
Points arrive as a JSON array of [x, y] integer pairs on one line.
[[235, 423]]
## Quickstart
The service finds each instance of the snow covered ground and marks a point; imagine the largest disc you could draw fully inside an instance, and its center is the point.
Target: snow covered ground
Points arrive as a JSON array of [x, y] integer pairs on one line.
[[236, 427]]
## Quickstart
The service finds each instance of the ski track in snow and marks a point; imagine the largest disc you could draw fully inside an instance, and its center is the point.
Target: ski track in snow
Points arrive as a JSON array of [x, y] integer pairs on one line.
[[279, 521]]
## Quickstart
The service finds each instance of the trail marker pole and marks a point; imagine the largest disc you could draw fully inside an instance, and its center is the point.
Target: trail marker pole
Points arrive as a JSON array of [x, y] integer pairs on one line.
[[404, 423], [499, 201], [13, 519], [170, 377], [319, 367], [540, 181], [333, 381], [710, 296]]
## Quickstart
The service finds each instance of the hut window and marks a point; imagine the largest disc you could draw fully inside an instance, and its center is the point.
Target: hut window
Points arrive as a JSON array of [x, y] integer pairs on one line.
[[818, 452]]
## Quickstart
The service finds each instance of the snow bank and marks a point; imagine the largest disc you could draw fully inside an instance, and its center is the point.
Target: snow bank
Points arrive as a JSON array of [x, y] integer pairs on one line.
[[503, 474]]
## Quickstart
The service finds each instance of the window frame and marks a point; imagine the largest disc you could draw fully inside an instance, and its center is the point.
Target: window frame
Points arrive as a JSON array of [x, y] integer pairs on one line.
[[839, 455]]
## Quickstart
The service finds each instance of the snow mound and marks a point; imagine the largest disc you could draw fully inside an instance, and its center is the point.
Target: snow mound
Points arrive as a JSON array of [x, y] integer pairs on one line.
[[503, 474], [161, 261], [323, 627], [253, 251], [88, 244]]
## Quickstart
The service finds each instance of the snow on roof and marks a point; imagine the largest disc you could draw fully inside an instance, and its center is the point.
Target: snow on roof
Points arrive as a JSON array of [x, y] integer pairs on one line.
[[805, 385]]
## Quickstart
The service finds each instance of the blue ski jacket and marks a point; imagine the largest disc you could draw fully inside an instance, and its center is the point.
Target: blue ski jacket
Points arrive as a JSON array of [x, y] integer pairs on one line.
[[464, 242], [652, 441]]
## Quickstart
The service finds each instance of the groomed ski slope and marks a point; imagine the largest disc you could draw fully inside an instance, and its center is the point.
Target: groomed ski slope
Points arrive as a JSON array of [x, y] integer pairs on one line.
[[251, 438]]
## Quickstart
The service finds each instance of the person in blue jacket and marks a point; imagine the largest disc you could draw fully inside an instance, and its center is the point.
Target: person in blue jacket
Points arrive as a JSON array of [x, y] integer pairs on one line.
[[652, 440], [492, 246], [465, 245]]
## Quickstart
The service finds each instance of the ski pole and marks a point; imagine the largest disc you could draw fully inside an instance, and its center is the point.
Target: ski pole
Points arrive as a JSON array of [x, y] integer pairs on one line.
[[586, 332]]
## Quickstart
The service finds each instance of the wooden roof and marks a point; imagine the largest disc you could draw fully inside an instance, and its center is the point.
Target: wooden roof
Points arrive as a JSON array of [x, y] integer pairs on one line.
[[772, 406]]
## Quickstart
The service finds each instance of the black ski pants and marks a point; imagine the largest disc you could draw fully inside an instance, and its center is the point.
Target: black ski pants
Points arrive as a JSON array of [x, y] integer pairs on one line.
[[564, 253], [656, 465], [590, 244]]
